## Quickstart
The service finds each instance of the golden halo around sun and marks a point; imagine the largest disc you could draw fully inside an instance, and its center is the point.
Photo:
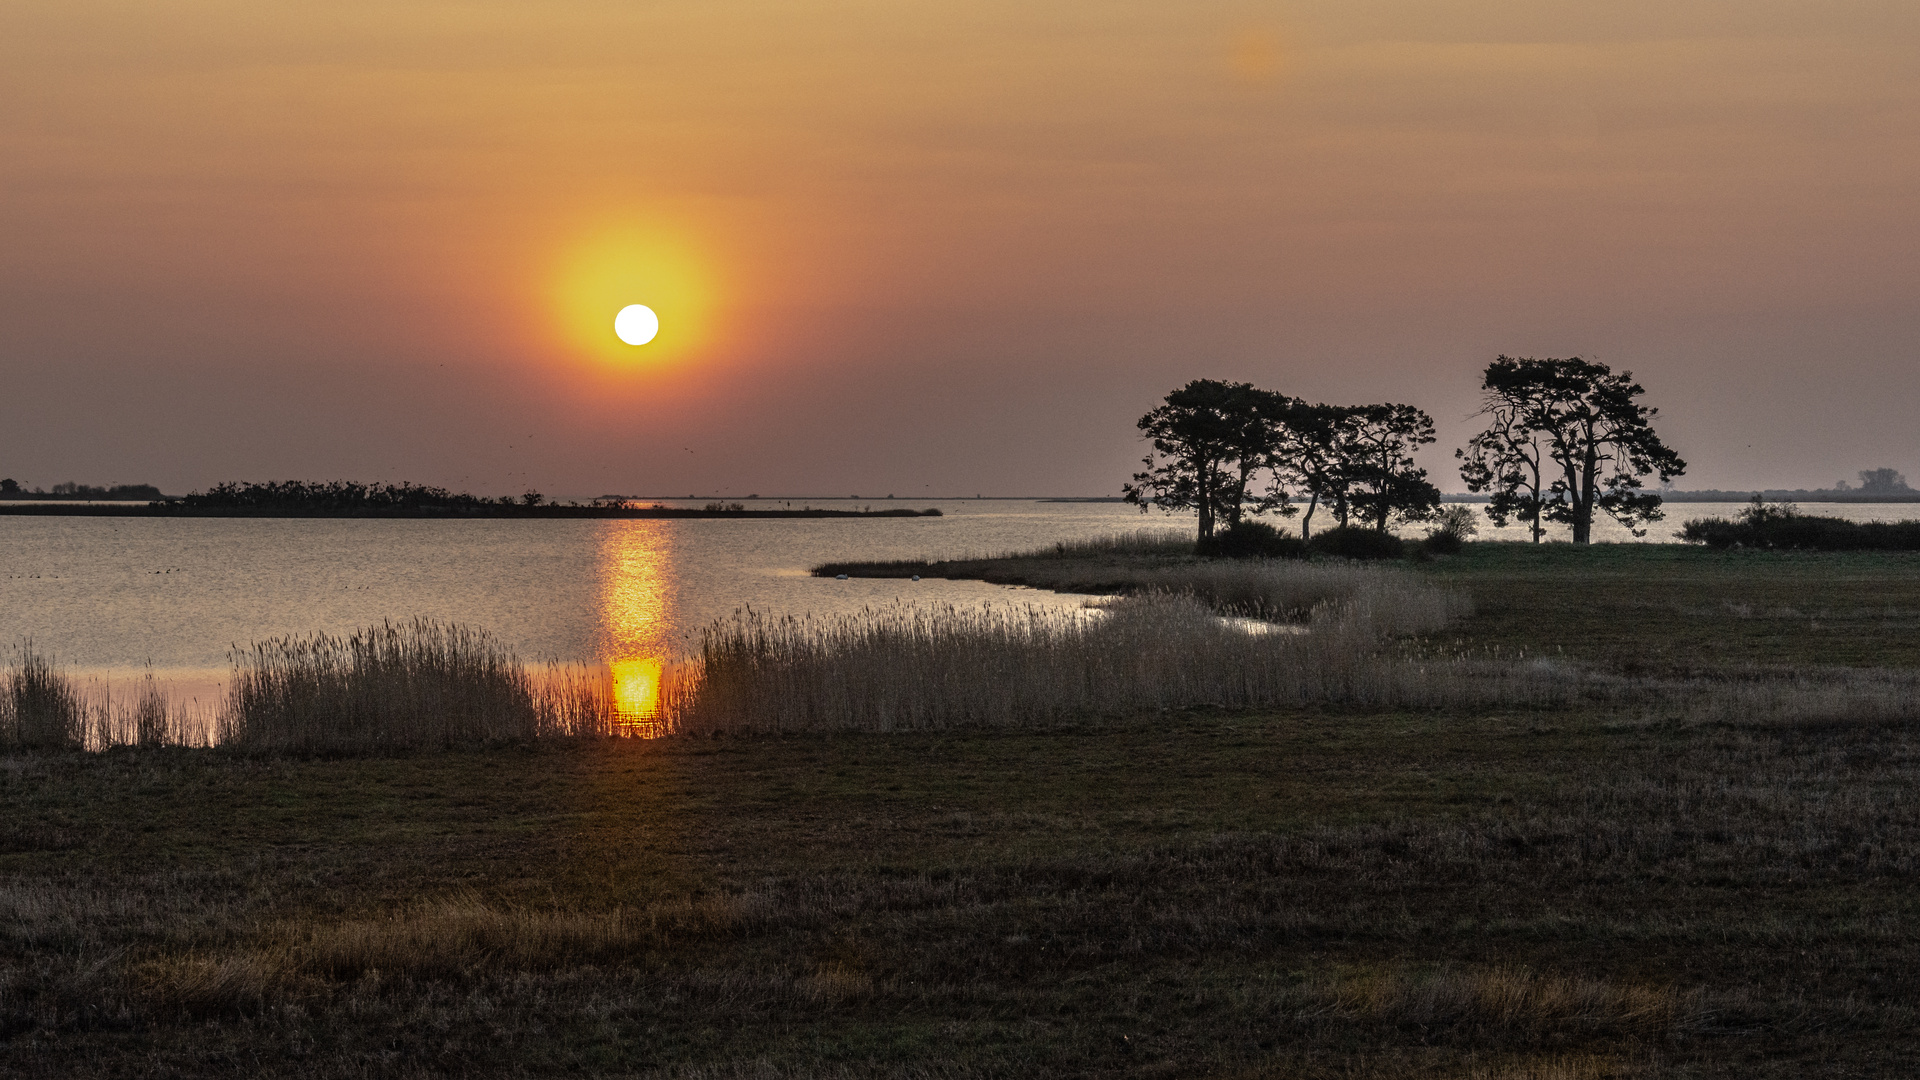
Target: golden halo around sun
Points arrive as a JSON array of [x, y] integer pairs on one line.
[[606, 271], [636, 324]]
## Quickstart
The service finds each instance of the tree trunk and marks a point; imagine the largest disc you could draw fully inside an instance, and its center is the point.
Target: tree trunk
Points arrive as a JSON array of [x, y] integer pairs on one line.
[[1538, 499], [1306, 520], [1205, 486], [1583, 498]]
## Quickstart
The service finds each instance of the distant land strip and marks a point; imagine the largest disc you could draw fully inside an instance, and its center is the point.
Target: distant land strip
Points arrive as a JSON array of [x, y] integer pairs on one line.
[[1815, 495], [545, 510]]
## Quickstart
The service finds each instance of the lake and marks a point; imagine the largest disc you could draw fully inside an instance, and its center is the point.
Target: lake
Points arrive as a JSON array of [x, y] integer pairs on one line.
[[108, 598]]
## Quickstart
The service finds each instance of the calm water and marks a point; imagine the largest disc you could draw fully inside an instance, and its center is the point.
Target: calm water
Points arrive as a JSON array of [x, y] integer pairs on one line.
[[108, 596]]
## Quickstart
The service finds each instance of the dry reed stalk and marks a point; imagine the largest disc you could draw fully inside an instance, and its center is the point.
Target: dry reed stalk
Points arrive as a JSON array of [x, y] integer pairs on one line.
[[414, 685], [40, 708], [149, 719], [907, 668]]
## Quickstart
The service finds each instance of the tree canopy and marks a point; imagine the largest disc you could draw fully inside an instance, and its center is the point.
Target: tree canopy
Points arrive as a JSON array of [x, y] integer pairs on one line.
[[1210, 439], [1227, 450], [1575, 427]]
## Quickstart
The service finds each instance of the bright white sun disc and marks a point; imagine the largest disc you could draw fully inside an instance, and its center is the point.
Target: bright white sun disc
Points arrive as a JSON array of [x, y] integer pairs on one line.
[[636, 324]]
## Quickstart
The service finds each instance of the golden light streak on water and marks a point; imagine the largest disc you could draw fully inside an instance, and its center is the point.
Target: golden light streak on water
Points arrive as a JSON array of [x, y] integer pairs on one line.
[[635, 606]]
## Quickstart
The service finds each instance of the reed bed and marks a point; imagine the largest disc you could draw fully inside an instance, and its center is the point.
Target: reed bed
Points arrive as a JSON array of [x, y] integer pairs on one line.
[[44, 708], [911, 668], [1166, 543], [40, 708], [415, 685]]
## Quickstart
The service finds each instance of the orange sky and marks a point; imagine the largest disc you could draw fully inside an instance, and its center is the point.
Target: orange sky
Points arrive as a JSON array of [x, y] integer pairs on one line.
[[931, 248]]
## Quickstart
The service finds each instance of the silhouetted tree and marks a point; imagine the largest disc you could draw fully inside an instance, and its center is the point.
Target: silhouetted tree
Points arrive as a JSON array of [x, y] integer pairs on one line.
[[1883, 481], [1210, 439], [1309, 455], [1598, 442], [1377, 443], [1509, 459], [9, 486]]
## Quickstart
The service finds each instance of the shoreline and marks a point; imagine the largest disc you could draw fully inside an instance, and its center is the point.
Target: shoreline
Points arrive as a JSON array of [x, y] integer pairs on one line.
[[444, 513]]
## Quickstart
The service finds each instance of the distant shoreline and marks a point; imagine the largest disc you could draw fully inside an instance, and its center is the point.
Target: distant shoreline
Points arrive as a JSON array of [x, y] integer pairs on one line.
[[1817, 495], [447, 513]]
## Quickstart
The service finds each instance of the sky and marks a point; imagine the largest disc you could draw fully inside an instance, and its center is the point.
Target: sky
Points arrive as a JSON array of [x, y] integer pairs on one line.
[[933, 248]]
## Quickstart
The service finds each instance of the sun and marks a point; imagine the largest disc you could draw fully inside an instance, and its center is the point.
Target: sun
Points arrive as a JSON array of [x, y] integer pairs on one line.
[[636, 324], [648, 286]]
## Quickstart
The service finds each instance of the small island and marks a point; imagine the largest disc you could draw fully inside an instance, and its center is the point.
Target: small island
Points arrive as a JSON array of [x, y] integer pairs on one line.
[[349, 499]]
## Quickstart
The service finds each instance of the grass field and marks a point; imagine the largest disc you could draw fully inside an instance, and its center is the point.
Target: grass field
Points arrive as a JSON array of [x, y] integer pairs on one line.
[[1319, 893], [1665, 607]]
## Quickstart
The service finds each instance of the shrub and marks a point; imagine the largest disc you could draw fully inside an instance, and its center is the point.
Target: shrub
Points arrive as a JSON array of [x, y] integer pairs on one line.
[[1354, 542], [1781, 525], [1450, 531], [1252, 540]]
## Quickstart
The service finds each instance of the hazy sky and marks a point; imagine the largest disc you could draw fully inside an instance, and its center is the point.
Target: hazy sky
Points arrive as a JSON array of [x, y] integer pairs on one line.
[[933, 247]]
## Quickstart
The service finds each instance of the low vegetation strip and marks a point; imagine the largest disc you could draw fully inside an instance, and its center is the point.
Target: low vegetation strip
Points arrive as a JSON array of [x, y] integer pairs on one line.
[[408, 686], [911, 668], [1783, 527]]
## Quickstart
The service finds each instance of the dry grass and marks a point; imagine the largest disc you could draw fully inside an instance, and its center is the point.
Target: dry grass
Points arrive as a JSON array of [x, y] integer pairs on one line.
[[42, 707], [1505, 1001], [908, 668], [406, 686], [39, 706]]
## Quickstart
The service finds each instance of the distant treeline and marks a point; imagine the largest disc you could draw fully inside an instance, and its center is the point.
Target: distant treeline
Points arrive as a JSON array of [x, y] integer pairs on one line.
[[11, 489], [345, 498], [1714, 495], [1876, 485]]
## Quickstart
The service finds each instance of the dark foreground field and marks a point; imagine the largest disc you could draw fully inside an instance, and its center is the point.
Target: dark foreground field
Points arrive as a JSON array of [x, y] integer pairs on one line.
[[1308, 893]]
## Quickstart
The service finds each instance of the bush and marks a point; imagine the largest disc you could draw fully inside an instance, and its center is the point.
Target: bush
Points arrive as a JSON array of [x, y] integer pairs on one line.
[[1782, 526], [1354, 542], [1252, 540], [1450, 531]]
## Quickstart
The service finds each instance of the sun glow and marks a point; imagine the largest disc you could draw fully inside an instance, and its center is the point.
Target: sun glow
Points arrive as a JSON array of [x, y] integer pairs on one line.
[[627, 287]]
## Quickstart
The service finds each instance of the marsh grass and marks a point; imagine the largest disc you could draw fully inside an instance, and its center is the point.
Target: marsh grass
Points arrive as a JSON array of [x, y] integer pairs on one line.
[[40, 707], [415, 685], [915, 668]]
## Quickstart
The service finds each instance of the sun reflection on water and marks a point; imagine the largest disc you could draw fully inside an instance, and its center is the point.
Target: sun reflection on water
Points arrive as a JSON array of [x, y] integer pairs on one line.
[[635, 616], [636, 687]]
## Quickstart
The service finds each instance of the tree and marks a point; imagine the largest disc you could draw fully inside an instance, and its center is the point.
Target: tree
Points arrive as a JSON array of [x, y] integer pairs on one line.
[[1210, 440], [1377, 444], [1308, 454], [1883, 481], [1597, 442], [1509, 458], [9, 486]]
